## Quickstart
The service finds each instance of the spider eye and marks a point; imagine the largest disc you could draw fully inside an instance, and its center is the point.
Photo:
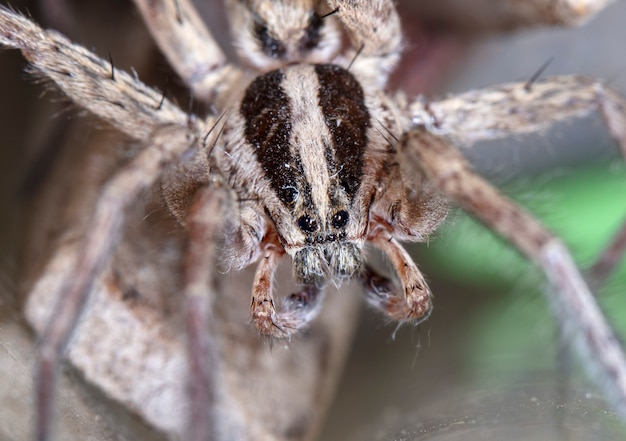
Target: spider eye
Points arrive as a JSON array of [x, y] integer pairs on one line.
[[288, 194], [340, 219], [312, 36], [307, 224], [271, 46]]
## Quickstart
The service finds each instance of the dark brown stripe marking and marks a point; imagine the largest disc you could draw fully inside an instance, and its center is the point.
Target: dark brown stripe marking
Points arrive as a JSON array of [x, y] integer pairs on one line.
[[343, 106], [267, 112]]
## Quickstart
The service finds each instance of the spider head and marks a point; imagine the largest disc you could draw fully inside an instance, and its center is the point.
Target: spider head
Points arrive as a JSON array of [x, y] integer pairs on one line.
[[269, 34]]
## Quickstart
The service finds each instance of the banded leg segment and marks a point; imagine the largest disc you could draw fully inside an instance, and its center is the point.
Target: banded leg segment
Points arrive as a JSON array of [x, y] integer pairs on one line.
[[572, 302]]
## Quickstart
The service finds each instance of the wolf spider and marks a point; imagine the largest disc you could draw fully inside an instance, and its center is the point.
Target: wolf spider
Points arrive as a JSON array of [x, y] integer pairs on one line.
[[305, 154]]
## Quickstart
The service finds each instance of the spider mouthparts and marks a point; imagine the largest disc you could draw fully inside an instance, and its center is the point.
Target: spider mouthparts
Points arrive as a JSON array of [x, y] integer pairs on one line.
[[314, 265]]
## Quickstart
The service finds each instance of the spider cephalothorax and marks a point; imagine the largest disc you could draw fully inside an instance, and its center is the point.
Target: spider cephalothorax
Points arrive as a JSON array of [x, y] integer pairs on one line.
[[302, 148], [306, 155], [311, 150]]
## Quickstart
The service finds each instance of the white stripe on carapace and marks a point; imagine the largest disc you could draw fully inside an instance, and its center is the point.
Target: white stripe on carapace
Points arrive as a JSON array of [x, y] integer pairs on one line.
[[309, 133]]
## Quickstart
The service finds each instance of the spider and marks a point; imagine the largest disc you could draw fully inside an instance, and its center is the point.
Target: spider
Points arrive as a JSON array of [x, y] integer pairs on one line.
[[305, 155]]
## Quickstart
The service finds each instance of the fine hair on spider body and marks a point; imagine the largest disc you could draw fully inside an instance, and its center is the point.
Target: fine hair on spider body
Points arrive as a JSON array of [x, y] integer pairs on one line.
[[307, 156]]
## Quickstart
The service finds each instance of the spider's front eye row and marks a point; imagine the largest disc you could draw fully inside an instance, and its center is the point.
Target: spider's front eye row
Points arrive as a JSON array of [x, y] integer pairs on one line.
[[271, 46], [307, 224], [340, 219]]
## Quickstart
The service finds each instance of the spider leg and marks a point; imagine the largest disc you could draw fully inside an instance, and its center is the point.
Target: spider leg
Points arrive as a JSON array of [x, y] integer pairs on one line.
[[90, 82], [140, 112], [409, 206], [510, 14], [205, 224], [500, 111], [613, 109], [572, 302], [610, 257], [414, 303], [497, 112], [188, 45], [374, 28], [92, 255], [408, 210], [298, 310]]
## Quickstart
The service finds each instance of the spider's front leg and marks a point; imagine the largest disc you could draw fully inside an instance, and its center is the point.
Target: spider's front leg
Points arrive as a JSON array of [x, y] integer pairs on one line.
[[139, 111], [414, 303], [298, 309], [572, 302], [408, 209]]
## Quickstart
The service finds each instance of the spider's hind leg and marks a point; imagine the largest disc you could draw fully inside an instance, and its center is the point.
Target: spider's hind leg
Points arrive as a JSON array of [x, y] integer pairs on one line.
[[613, 109]]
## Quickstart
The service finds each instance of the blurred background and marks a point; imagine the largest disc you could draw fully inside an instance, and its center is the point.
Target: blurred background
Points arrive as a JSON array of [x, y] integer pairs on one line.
[[486, 365]]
